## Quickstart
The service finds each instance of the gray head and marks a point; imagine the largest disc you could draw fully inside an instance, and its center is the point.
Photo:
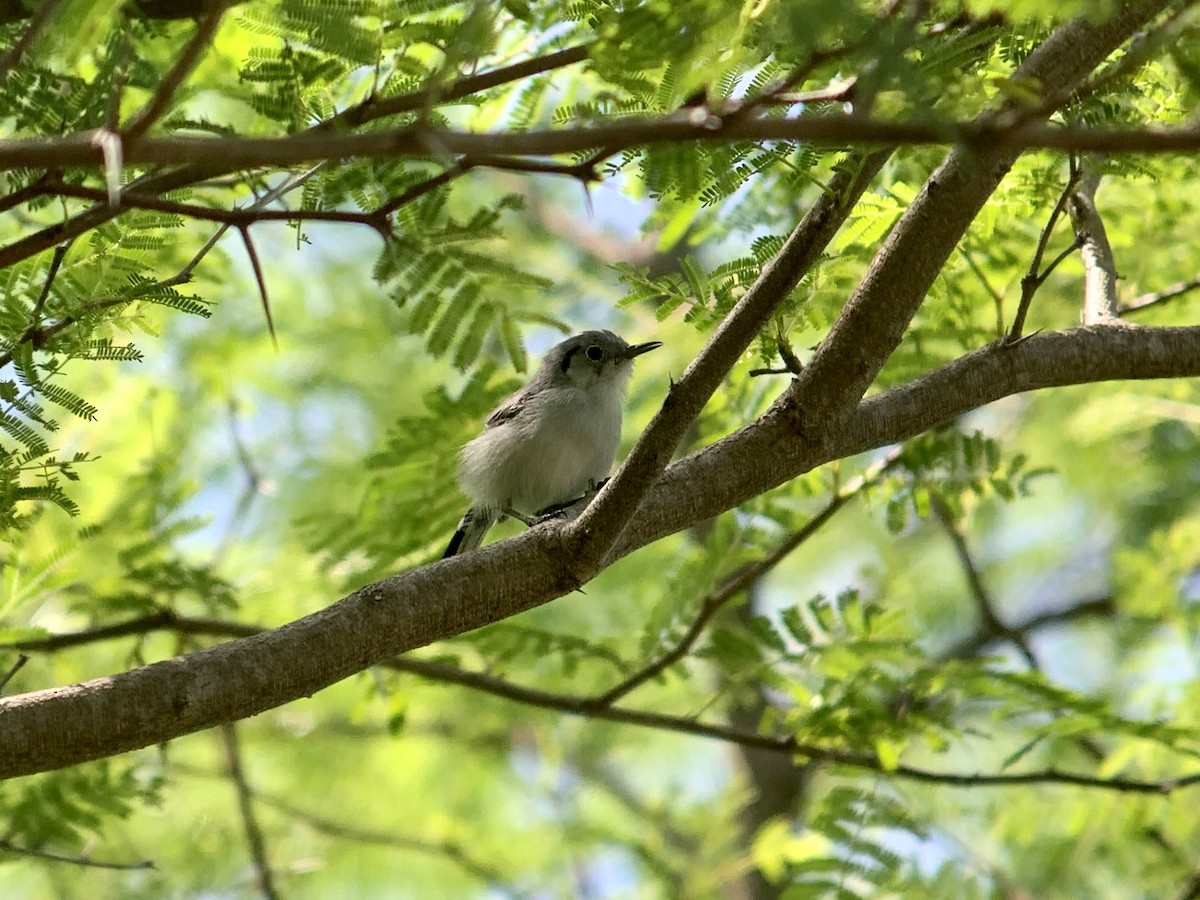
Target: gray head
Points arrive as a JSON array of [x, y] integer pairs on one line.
[[593, 356]]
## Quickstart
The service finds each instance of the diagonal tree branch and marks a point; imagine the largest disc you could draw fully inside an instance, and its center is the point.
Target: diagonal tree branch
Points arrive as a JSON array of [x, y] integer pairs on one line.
[[601, 523], [876, 316], [151, 704], [1036, 276], [185, 62], [984, 604], [37, 23]]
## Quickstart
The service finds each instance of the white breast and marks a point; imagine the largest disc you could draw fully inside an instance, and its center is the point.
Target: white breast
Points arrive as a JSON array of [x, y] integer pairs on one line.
[[551, 453]]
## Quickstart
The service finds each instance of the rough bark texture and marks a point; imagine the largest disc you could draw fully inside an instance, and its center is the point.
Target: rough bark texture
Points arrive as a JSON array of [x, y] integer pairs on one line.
[[823, 419]]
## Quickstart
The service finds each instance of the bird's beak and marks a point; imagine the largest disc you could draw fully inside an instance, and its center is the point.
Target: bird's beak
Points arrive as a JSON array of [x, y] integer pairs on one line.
[[639, 349]]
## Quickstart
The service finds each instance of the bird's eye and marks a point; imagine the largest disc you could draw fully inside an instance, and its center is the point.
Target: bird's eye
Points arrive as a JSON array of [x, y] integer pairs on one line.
[[594, 353]]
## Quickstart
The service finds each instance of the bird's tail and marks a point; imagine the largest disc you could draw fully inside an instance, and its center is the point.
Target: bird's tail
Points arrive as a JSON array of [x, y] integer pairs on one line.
[[471, 529]]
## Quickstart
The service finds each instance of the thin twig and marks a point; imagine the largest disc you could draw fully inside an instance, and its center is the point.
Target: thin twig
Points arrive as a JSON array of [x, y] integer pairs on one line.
[[8, 846], [380, 107], [782, 743], [1035, 277], [235, 218], [254, 835], [13, 670], [1151, 299], [743, 578], [984, 605], [451, 850], [984, 635], [997, 297], [17, 52], [185, 62], [60, 253]]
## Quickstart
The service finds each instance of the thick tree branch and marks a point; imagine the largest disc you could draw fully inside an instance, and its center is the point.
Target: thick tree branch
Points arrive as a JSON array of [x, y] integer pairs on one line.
[[65, 725], [602, 521], [229, 154], [876, 316]]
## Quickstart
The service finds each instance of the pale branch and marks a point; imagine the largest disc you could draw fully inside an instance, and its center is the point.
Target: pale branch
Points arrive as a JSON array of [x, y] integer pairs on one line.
[[151, 704], [874, 319], [1099, 265], [692, 125], [7, 846], [984, 605], [263, 878], [1156, 297], [742, 579], [185, 62], [1036, 276]]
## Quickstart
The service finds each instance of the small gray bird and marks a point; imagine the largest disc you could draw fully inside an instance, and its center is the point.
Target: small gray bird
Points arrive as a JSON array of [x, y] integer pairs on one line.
[[552, 441]]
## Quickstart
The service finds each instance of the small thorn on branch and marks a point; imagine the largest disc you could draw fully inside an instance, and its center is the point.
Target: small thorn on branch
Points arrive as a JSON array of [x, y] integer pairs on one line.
[[244, 230]]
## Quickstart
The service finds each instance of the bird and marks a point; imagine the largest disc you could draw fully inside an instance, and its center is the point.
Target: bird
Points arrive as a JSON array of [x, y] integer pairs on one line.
[[551, 442]]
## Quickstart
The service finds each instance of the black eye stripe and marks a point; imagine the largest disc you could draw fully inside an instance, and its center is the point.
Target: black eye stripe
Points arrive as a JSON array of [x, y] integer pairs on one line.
[[566, 360]]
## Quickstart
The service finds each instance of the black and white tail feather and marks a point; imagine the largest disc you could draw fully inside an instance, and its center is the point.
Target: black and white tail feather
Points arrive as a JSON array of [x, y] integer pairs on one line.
[[472, 528]]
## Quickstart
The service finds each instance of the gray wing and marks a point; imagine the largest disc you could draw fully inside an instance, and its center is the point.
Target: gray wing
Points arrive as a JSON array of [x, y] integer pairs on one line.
[[509, 409]]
